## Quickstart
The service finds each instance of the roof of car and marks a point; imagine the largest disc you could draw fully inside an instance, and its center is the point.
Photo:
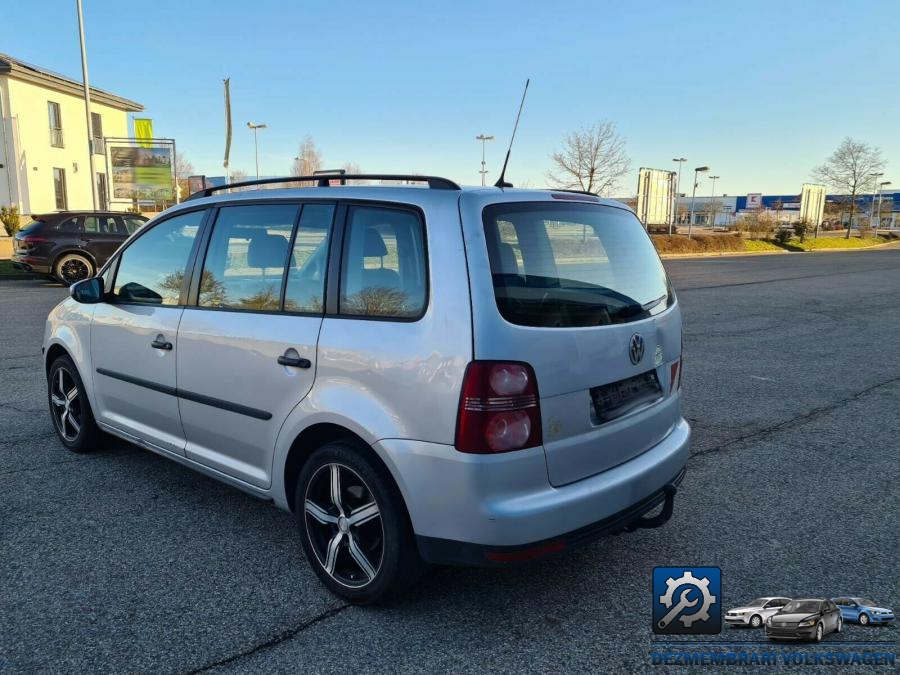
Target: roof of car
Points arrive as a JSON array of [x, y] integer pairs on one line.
[[404, 193], [69, 214]]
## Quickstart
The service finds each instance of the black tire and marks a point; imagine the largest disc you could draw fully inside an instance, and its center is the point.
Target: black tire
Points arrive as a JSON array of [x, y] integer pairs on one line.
[[863, 619], [77, 430], [756, 618], [390, 559], [820, 632], [73, 267], [840, 625]]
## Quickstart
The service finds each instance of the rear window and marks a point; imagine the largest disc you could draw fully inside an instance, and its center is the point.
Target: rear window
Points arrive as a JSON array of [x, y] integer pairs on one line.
[[572, 265], [33, 226]]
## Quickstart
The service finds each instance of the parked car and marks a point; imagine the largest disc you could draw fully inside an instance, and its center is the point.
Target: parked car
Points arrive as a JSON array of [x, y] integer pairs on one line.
[[72, 245], [863, 611], [754, 613], [419, 374], [810, 619]]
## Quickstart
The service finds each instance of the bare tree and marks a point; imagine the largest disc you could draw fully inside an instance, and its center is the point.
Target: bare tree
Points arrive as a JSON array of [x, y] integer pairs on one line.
[[183, 171], [592, 159], [308, 159], [850, 169]]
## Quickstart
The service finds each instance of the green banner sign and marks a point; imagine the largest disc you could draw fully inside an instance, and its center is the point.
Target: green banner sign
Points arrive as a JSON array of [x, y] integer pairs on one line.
[[142, 173]]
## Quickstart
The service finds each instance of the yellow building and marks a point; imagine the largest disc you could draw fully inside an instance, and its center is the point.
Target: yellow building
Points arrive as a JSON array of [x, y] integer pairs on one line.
[[44, 149]]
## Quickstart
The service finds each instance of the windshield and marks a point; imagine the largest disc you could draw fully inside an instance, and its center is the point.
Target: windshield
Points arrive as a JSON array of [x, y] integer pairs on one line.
[[759, 602], [568, 265], [865, 602], [801, 607]]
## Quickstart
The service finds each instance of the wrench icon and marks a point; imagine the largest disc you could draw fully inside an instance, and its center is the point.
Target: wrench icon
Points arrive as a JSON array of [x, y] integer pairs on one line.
[[680, 605]]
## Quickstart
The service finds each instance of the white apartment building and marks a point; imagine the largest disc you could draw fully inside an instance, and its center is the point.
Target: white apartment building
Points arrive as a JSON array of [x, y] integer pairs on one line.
[[44, 149]]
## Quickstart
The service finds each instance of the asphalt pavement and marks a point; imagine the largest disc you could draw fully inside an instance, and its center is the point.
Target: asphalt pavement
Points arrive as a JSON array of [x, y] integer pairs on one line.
[[122, 561]]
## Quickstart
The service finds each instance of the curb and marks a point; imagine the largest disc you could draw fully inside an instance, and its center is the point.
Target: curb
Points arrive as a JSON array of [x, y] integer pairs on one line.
[[19, 277]]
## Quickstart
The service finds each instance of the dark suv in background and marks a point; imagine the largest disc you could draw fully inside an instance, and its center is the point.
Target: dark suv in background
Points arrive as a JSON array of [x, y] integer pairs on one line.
[[72, 245]]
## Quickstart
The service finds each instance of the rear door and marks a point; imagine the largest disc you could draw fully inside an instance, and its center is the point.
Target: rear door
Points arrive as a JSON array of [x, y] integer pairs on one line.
[[134, 334], [101, 236], [577, 290], [247, 343]]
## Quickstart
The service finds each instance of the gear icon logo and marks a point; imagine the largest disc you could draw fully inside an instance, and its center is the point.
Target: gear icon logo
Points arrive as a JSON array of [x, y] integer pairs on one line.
[[686, 600]]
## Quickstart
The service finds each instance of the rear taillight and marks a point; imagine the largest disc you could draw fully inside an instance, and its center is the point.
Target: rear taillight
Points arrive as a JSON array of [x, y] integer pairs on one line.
[[499, 409], [31, 240]]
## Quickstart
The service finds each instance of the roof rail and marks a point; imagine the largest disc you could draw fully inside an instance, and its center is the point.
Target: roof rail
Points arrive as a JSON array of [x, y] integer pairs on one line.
[[324, 180]]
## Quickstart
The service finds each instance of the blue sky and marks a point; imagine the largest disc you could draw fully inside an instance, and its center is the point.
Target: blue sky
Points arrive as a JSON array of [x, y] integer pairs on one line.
[[759, 91]]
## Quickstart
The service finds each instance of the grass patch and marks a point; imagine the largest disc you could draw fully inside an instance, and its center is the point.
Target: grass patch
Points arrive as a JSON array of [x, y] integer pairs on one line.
[[763, 245], [7, 268], [826, 243], [700, 243]]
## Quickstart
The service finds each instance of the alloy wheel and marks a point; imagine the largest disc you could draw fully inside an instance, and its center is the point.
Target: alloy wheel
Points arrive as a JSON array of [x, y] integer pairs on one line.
[[66, 401], [755, 621], [344, 525], [819, 633], [863, 619], [74, 269]]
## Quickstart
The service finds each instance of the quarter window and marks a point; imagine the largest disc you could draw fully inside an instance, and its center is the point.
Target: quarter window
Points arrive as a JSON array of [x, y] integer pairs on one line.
[[305, 287], [246, 258], [132, 225], [151, 269], [383, 271]]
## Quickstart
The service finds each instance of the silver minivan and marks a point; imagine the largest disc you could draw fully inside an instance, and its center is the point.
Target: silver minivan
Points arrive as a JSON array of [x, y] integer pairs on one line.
[[419, 373]]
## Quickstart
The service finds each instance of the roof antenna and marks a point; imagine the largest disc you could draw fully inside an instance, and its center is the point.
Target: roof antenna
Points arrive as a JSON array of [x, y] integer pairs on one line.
[[501, 182]]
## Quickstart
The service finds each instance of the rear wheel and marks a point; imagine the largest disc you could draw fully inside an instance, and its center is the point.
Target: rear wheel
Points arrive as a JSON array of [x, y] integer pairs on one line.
[[72, 268], [353, 524], [73, 419]]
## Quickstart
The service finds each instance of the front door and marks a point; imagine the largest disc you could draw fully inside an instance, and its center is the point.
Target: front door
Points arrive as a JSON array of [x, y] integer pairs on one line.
[[134, 335], [247, 345]]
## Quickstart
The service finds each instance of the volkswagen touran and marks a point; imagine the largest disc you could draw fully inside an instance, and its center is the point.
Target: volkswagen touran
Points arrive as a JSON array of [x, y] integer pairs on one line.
[[418, 373]]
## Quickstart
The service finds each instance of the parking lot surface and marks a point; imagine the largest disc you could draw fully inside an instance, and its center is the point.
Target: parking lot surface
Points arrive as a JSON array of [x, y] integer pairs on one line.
[[122, 561]]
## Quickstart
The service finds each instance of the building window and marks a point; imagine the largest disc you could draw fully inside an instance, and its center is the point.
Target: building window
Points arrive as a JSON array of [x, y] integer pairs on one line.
[[56, 132], [102, 195], [97, 134], [59, 187]]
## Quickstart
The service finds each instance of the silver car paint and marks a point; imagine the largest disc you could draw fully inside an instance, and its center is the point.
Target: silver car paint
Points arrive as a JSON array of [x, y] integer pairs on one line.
[[754, 610], [397, 386]]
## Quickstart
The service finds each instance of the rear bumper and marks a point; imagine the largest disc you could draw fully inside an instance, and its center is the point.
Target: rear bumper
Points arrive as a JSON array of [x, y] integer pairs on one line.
[[461, 505], [26, 264]]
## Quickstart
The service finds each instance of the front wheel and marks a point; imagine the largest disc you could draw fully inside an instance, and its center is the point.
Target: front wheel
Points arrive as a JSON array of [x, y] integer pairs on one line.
[[863, 619], [755, 621], [820, 632], [72, 268], [353, 524], [840, 625], [73, 419]]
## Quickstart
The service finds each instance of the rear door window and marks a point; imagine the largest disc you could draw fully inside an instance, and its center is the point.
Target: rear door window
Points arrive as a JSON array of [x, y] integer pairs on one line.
[[100, 225], [247, 256], [383, 271], [572, 265]]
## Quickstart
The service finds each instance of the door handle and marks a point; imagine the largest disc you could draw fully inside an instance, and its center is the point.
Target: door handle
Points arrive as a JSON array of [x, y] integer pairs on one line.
[[161, 343], [294, 361]]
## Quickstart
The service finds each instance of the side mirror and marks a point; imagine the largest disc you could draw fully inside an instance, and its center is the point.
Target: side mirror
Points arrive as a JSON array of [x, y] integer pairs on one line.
[[87, 291]]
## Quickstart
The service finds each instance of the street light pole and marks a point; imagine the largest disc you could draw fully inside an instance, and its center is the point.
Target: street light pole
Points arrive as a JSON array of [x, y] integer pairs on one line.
[[484, 139], [712, 195], [875, 176], [881, 187], [698, 170], [87, 103], [255, 127], [680, 160]]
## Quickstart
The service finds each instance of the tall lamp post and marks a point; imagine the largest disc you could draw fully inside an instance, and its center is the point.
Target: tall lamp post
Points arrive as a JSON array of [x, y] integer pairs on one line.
[[697, 171], [712, 195], [484, 139], [255, 128], [680, 160], [881, 187], [87, 104], [875, 176]]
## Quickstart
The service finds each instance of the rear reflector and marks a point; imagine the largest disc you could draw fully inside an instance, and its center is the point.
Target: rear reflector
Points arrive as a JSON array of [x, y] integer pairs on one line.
[[499, 410], [526, 553]]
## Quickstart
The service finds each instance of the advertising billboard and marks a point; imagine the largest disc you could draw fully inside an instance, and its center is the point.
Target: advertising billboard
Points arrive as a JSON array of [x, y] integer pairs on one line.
[[656, 189], [812, 203], [142, 173]]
